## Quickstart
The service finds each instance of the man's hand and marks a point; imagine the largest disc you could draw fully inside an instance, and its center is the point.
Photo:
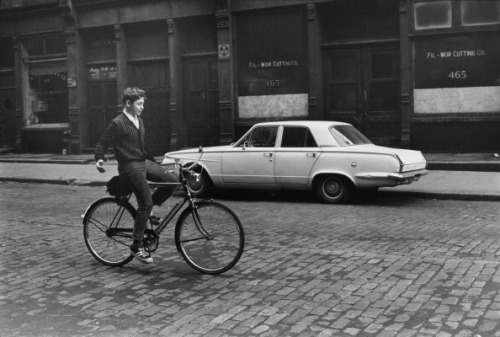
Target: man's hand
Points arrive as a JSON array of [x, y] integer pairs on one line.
[[100, 166]]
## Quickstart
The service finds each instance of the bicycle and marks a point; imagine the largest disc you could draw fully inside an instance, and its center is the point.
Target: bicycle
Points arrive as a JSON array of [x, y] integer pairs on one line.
[[208, 235]]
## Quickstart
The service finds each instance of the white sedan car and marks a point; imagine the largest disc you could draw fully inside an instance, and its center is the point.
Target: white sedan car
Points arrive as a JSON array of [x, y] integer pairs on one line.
[[331, 158]]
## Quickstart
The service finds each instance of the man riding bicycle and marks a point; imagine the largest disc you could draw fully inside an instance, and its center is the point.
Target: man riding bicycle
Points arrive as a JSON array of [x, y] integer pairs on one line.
[[136, 165]]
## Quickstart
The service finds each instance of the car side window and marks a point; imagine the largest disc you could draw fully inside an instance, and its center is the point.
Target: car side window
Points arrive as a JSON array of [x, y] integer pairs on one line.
[[297, 137], [262, 137]]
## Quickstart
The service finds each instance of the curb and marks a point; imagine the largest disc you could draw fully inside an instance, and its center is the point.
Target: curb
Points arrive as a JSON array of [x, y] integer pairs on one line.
[[46, 161], [445, 195], [417, 194], [478, 166], [69, 182]]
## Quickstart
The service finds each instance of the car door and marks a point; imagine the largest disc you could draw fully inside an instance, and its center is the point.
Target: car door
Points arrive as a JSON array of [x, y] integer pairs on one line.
[[252, 160], [296, 156]]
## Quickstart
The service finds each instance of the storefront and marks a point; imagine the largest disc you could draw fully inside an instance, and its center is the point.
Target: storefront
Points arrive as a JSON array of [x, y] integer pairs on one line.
[[45, 94], [361, 66], [456, 93], [272, 66], [34, 77], [8, 125], [417, 73]]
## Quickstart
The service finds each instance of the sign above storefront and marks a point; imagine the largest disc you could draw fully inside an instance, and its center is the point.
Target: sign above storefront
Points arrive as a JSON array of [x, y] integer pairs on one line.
[[457, 74], [101, 43], [457, 61], [102, 73], [273, 59], [273, 64]]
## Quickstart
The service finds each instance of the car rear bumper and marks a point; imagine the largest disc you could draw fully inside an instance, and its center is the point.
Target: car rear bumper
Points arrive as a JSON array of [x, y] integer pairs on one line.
[[408, 177], [380, 179]]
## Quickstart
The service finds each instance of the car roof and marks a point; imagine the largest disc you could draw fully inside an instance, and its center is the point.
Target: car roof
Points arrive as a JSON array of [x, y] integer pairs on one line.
[[304, 123], [318, 128]]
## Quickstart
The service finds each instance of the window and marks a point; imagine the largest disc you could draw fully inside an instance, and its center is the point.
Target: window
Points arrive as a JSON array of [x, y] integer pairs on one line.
[[450, 13], [349, 135], [6, 53], [382, 66], [359, 19], [431, 15], [261, 137], [48, 45], [273, 58], [343, 86], [297, 137], [474, 13], [49, 98], [45, 98]]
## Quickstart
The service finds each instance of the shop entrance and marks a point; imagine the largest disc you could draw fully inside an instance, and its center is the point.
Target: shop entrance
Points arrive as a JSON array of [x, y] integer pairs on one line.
[[103, 108], [153, 77], [201, 97], [7, 118], [363, 88]]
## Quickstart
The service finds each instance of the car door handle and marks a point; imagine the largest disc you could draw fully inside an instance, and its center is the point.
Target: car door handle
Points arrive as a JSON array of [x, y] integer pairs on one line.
[[268, 154], [311, 154]]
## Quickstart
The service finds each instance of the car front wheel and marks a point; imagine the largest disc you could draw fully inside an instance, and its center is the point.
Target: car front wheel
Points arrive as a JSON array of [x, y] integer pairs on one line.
[[199, 184], [334, 189]]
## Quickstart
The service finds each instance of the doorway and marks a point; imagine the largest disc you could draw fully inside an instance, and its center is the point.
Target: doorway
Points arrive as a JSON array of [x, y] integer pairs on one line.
[[153, 77], [103, 108], [8, 126], [363, 88], [201, 99]]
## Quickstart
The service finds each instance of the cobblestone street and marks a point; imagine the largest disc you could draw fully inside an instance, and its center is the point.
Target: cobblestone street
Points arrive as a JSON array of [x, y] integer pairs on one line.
[[377, 267]]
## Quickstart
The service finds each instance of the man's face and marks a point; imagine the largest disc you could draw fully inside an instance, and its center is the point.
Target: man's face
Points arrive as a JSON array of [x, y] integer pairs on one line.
[[136, 107]]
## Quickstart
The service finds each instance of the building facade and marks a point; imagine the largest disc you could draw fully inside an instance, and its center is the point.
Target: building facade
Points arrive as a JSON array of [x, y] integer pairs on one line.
[[421, 74]]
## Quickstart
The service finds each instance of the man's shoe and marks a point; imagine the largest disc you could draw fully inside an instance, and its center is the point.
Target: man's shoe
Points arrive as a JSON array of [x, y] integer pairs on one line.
[[141, 255]]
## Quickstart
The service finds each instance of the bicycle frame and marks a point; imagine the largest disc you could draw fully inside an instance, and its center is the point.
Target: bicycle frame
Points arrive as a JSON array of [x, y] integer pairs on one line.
[[177, 207], [173, 212], [207, 234], [168, 218]]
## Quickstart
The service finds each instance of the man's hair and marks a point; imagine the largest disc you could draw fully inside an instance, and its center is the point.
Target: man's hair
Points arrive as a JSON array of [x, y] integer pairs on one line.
[[132, 94]]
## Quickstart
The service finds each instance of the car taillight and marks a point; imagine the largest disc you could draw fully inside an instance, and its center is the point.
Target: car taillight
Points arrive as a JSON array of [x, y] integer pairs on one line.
[[400, 163]]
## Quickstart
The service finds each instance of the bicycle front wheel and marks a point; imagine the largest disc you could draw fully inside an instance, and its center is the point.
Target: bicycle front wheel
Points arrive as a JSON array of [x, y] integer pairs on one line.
[[107, 229], [209, 237]]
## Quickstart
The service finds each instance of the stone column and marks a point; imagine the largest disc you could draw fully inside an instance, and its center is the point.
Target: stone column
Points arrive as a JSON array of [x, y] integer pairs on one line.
[[178, 127], [74, 60], [405, 73], [315, 97], [226, 83], [121, 65], [76, 80], [18, 69]]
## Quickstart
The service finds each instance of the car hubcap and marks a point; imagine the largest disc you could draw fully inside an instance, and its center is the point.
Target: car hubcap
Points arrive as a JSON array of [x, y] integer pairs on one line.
[[333, 188], [196, 186]]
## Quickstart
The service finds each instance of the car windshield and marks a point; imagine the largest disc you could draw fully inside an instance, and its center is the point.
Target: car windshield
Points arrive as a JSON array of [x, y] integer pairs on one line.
[[349, 135]]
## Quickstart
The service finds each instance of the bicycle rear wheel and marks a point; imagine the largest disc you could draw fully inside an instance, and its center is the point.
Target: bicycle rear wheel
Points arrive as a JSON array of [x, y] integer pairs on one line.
[[107, 229], [209, 237]]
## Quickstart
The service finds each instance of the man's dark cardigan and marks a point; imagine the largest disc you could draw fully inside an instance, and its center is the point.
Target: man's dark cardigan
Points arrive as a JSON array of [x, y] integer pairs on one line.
[[128, 142]]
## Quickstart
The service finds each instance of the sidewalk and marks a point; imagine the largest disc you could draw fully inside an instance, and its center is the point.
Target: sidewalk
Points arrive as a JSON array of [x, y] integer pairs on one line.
[[463, 176]]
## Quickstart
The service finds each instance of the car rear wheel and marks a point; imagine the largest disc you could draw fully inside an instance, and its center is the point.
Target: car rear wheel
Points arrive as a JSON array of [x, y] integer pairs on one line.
[[334, 189]]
